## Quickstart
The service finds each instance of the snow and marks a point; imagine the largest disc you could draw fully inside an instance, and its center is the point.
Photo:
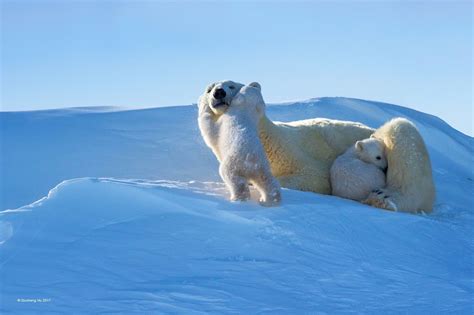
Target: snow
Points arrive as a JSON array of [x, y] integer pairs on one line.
[[138, 222]]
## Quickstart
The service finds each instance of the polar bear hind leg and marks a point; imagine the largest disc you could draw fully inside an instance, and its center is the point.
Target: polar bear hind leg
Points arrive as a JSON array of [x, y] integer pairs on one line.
[[268, 187], [410, 185]]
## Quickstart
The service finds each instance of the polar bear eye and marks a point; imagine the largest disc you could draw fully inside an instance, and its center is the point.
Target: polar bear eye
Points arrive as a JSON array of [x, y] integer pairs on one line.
[[231, 87], [378, 158], [210, 87]]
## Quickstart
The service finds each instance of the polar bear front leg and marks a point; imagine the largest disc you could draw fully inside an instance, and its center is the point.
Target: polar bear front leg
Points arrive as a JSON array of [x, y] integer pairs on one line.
[[208, 126], [381, 198], [238, 186], [269, 188]]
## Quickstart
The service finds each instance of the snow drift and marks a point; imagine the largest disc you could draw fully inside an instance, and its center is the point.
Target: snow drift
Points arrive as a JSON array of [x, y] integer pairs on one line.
[[145, 225]]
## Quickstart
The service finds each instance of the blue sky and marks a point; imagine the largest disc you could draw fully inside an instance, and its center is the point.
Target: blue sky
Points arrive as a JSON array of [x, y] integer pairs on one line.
[[145, 53]]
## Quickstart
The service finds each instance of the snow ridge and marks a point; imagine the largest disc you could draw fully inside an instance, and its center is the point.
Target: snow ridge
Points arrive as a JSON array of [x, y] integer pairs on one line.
[[144, 225]]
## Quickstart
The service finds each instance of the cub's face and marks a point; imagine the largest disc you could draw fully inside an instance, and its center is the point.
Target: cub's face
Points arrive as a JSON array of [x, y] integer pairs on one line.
[[372, 151], [219, 95]]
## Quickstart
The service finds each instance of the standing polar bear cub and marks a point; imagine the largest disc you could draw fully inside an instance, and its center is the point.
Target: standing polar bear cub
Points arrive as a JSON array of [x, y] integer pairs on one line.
[[233, 137], [359, 170]]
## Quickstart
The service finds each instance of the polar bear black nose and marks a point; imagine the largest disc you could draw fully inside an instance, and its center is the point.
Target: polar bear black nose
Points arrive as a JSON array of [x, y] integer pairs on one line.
[[219, 93]]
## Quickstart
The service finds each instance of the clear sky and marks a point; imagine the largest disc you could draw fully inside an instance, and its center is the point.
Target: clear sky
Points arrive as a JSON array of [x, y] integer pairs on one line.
[[149, 53]]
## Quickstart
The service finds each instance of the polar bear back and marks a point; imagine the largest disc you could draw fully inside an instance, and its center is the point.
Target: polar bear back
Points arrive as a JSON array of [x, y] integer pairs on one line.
[[353, 178], [238, 136]]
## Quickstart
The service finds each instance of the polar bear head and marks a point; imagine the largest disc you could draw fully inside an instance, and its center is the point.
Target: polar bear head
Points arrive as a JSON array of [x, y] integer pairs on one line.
[[249, 99], [219, 95], [372, 151]]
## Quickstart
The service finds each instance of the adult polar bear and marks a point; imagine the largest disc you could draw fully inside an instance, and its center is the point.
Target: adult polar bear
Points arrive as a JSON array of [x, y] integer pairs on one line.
[[301, 152]]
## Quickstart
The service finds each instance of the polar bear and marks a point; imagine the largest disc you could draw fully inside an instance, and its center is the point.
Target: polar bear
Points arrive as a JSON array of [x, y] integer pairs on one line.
[[233, 137], [211, 105], [301, 154], [410, 185], [359, 170]]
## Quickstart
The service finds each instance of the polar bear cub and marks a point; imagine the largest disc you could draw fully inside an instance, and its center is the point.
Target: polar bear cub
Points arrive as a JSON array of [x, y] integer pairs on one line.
[[359, 170], [233, 137]]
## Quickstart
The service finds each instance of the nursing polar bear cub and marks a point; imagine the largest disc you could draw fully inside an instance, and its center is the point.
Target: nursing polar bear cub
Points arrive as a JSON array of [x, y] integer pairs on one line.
[[301, 154], [233, 137], [359, 170]]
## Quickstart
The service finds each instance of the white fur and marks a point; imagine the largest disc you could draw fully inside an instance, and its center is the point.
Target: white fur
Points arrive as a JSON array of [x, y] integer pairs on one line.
[[301, 154], [233, 137], [357, 172], [410, 185], [371, 151]]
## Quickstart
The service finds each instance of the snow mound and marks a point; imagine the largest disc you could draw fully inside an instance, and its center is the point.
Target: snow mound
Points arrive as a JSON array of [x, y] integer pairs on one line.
[[43, 148], [170, 242], [107, 245]]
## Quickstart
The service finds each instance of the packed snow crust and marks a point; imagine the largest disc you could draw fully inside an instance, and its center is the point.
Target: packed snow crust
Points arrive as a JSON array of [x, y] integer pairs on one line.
[[140, 223]]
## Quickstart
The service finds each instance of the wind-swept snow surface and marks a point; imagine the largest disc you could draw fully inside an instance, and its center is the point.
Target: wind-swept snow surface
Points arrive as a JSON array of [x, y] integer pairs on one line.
[[170, 242]]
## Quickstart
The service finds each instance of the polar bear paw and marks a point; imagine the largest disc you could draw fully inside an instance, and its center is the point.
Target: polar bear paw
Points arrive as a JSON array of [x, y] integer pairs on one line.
[[272, 199], [240, 192], [381, 199], [240, 195]]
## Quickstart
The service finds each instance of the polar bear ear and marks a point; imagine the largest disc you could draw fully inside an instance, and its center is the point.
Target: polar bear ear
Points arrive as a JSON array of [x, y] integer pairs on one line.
[[359, 146], [256, 85], [209, 87]]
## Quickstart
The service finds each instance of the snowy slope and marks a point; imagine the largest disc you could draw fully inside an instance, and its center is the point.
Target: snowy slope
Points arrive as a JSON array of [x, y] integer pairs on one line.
[[146, 227]]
